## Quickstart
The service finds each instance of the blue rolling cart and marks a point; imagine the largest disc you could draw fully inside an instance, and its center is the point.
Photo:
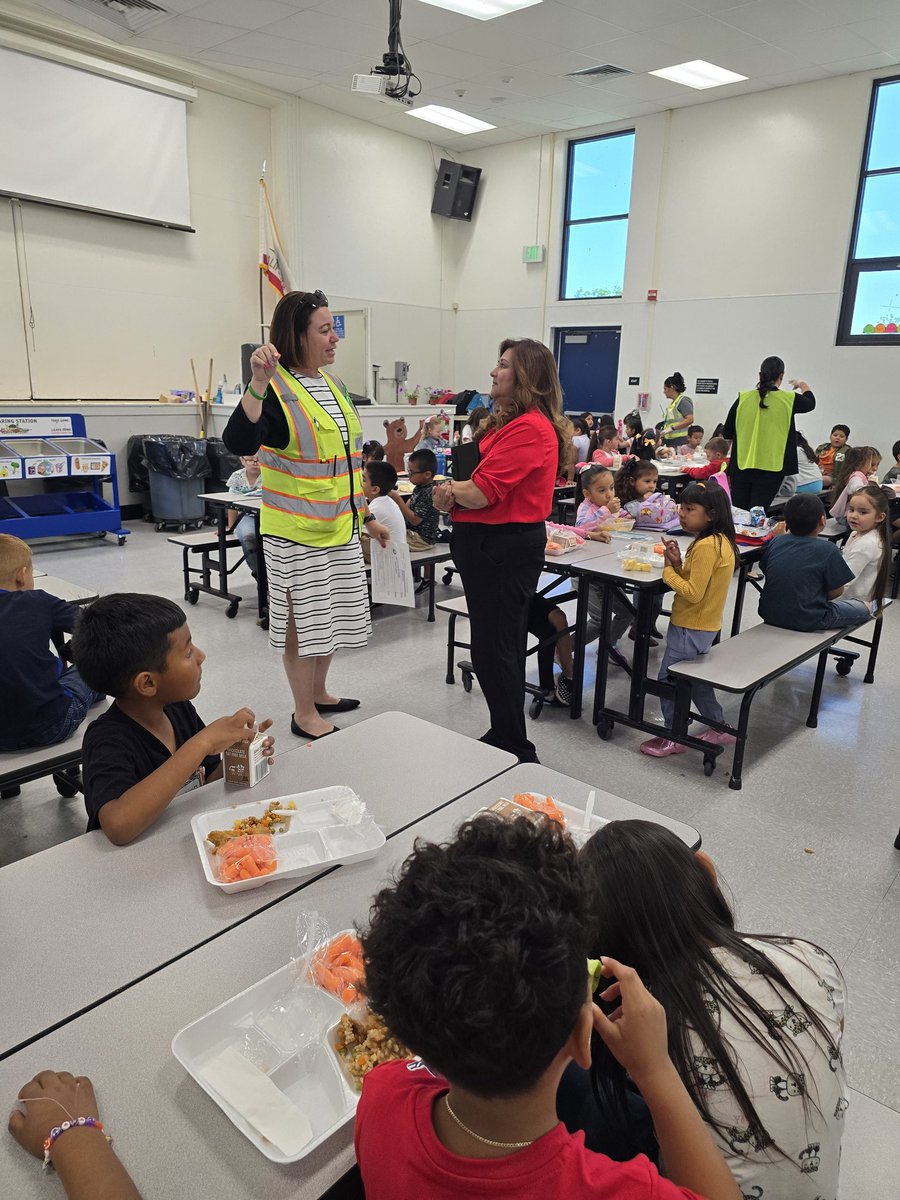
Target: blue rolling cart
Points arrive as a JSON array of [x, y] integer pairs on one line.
[[35, 449]]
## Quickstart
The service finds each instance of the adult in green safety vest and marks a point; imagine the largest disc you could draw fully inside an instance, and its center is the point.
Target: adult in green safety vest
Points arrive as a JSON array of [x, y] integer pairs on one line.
[[678, 416], [760, 424], [299, 421]]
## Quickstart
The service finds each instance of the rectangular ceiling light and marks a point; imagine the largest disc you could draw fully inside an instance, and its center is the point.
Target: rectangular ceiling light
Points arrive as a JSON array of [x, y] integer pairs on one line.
[[699, 74], [451, 119], [482, 10]]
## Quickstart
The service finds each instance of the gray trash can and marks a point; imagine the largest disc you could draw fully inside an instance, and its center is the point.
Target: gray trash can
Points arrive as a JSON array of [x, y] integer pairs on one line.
[[178, 468]]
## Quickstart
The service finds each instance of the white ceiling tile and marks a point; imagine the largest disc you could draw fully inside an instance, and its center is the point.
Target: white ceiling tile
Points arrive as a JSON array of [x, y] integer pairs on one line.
[[723, 45], [774, 20], [430, 56], [844, 12], [252, 49], [791, 78], [635, 15], [884, 34], [635, 52], [241, 14], [827, 45], [188, 33], [867, 62], [559, 63], [490, 40], [558, 24], [292, 85], [314, 28]]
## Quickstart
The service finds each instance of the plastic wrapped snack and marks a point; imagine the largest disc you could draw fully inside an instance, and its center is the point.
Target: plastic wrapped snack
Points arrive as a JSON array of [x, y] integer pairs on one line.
[[246, 857], [338, 968]]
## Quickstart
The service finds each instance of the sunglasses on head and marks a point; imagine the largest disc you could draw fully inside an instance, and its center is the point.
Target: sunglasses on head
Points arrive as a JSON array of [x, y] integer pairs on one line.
[[315, 300]]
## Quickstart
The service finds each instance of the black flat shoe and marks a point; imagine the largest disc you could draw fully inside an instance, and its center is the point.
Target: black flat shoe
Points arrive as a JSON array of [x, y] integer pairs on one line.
[[310, 737], [341, 706]]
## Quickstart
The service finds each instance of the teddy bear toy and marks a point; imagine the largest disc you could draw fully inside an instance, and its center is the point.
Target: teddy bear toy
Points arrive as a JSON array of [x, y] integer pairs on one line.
[[396, 443]]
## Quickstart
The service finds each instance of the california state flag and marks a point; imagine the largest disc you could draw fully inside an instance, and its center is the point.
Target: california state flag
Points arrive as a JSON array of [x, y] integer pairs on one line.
[[272, 260]]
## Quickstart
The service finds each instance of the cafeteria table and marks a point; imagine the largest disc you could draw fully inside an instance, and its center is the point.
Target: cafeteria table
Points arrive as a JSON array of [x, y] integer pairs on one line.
[[220, 503], [95, 917], [170, 1135]]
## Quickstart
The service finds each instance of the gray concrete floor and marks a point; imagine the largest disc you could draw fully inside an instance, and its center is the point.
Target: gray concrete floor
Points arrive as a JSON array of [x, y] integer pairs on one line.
[[806, 848]]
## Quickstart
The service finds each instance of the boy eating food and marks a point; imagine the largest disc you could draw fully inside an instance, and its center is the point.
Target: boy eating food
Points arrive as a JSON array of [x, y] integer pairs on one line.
[[475, 958], [151, 745]]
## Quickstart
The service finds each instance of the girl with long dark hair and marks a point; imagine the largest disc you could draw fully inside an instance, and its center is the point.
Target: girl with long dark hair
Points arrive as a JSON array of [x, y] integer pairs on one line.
[[754, 1021]]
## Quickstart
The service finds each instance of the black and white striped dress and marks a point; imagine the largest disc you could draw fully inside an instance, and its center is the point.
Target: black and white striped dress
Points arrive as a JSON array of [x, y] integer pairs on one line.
[[327, 585]]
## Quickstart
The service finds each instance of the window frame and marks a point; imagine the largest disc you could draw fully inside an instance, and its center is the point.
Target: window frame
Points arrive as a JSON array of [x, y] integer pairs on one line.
[[568, 222], [860, 266]]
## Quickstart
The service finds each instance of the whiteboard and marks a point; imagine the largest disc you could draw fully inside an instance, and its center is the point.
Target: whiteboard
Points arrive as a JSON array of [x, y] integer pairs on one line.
[[85, 141]]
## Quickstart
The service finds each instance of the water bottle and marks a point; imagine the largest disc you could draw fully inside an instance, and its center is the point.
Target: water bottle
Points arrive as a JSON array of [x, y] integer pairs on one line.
[[441, 462]]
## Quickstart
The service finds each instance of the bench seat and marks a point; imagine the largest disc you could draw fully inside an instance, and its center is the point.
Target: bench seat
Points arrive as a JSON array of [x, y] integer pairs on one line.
[[23, 766]]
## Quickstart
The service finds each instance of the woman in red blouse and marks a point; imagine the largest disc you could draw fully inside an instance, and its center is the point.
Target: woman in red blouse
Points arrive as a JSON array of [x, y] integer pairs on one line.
[[498, 528]]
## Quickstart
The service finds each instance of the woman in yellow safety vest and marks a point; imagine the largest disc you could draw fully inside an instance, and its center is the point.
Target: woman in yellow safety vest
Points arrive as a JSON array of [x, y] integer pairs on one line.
[[301, 424], [678, 416], [760, 424]]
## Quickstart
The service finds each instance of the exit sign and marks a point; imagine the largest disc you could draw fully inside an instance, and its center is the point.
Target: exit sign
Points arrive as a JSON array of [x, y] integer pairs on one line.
[[532, 254]]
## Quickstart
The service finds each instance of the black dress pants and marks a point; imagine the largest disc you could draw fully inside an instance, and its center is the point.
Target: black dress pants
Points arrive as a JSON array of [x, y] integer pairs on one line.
[[752, 488], [500, 566]]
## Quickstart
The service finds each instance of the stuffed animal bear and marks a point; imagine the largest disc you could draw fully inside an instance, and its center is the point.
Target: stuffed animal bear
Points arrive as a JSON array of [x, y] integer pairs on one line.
[[396, 443]]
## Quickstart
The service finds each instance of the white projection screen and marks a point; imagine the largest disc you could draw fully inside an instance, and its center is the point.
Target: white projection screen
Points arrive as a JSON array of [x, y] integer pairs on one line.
[[81, 140]]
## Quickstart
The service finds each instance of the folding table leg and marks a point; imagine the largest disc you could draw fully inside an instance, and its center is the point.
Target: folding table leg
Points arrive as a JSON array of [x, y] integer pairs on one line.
[[813, 719], [450, 677], [581, 609], [869, 676], [743, 719]]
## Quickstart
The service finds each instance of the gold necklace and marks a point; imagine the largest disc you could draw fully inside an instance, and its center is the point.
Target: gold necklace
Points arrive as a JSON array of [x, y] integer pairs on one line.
[[478, 1137]]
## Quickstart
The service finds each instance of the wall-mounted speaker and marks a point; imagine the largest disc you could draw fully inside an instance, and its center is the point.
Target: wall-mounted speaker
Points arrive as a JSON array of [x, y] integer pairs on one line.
[[455, 190]]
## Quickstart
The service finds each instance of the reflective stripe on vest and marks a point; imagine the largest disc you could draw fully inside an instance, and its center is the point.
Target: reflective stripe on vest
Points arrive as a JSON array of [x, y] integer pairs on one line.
[[669, 416], [311, 494], [761, 434]]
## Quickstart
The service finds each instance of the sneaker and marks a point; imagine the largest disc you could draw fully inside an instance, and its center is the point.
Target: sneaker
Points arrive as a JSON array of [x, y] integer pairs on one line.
[[565, 690], [660, 747], [715, 738]]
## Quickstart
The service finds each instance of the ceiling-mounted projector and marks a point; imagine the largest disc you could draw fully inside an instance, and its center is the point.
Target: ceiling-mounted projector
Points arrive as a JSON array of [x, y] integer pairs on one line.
[[392, 81], [377, 87]]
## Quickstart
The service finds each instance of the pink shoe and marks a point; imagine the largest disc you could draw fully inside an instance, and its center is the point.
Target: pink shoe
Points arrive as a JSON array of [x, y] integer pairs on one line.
[[715, 738], [660, 747]]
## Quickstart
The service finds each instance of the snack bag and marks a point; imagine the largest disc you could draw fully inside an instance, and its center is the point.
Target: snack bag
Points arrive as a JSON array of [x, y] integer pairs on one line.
[[246, 857]]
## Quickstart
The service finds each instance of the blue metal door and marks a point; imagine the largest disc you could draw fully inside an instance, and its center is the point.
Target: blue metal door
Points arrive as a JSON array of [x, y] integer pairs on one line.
[[588, 360]]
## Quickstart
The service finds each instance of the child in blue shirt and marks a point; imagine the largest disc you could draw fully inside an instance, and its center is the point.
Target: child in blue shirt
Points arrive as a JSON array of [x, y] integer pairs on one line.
[[43, 701], [805, 574]]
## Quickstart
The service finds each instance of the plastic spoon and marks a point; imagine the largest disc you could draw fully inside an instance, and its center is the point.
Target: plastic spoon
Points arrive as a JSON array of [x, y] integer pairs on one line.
[[588, 811]]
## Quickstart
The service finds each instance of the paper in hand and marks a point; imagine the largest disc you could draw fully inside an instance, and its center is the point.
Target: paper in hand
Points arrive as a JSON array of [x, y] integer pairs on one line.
[[392, 581]]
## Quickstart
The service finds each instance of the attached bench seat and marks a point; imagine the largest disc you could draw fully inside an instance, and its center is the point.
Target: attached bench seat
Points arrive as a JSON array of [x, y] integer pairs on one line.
[[62, 761], [745, 663], [204, 544]]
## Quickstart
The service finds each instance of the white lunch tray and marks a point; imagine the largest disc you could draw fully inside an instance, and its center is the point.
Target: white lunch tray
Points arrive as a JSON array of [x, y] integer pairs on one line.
[[311, 1077], [315, 837]]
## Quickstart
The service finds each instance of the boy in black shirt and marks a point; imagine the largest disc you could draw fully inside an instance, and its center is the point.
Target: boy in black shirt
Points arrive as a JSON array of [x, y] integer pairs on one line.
[[151, 745], [422, 519], [43, 702]]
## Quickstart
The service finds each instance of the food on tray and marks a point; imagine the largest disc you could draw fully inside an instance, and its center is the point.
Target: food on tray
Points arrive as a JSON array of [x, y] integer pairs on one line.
[[541, 804], [246, 857], [636, 564], [273, 820], [623, 524], [362, 1045], [659, 548], [561, 540], [338, 967]]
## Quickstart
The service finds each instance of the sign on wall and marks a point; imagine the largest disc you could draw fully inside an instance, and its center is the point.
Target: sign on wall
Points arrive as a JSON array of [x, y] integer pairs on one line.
[[339, 325], [707, 387]]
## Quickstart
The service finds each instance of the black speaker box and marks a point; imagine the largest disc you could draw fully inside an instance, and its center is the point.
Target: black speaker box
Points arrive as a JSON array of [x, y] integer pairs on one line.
[[455, 190]]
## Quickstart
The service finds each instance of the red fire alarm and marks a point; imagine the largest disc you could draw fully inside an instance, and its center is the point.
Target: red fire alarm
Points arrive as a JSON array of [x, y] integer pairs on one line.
[[652, 294]]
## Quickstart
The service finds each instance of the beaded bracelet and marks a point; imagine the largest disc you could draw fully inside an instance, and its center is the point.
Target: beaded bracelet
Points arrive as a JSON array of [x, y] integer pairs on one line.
[[255, 395], [58, 1130]]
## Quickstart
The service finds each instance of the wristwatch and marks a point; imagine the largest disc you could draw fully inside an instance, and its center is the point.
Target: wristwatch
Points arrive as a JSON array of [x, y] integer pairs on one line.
[[367, 518]]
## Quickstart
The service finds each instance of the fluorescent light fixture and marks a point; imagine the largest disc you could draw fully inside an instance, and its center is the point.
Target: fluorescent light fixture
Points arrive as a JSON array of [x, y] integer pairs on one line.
[[699, 74], [451, 119], [482, 10]]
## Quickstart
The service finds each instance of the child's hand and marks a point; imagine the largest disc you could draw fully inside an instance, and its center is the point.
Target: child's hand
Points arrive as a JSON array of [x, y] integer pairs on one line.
[[635, 1032], [600, 535], [49, 1099], [228, 730], [673, 553], [779, 528], [615, 505], [379, 532], [268, 746]]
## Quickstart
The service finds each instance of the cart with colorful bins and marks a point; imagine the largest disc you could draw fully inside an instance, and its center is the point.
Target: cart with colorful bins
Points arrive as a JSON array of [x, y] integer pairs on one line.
[[35, 451]]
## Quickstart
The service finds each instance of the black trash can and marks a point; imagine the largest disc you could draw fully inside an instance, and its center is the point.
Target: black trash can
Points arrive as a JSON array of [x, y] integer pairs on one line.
[[178, 468], [222, 464]]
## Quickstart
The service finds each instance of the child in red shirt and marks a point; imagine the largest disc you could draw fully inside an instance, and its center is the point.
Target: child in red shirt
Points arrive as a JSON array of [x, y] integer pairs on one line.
[[476, 960], [716, 460]]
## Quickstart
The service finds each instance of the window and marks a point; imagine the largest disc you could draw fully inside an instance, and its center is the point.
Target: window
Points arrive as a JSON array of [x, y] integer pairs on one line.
[[598, 193], [870, 313]]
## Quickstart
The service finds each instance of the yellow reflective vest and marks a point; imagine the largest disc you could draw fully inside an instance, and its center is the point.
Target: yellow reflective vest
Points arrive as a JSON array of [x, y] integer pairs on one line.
[[670, 416], [761, 434], [312, 489]]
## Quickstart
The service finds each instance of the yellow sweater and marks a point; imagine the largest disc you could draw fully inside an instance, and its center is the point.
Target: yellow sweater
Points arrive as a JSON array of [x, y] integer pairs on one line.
[[701, 584]]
